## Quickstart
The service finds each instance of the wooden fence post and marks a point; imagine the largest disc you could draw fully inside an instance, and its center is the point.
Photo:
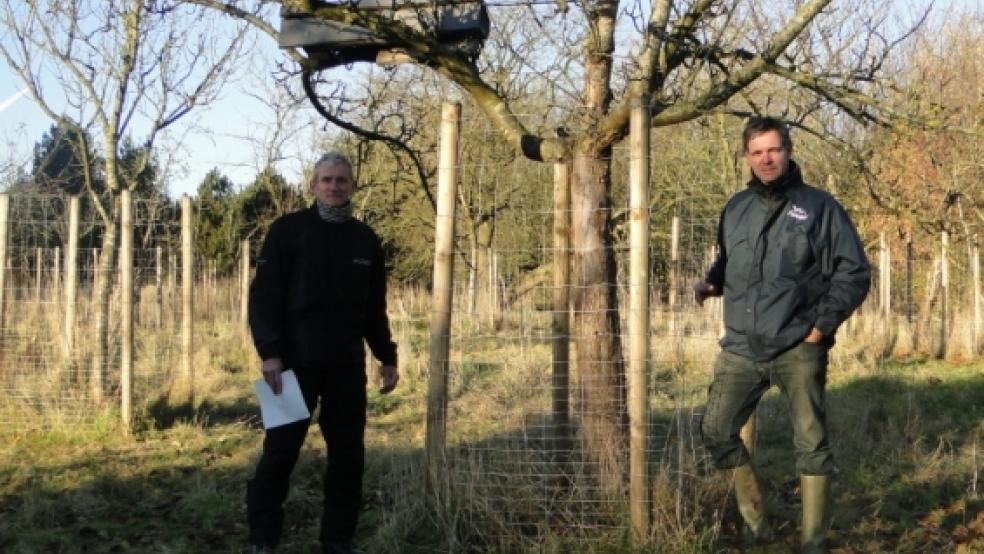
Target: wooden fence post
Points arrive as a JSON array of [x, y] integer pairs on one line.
[[54, 288], [975, 263], [187, 301], [639, 314], [126, 309], [884, 278], [909, 314], [244, 284], [173, 299], [442, 296], [674, 288], [4, 225], [561, 323], [495, 304], [71, 275], [38, 273], [159, 286], [944, 292]]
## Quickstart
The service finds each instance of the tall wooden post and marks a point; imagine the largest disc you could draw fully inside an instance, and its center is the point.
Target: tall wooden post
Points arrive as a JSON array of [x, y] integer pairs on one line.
[[54, 288], [494, 300], [909, 312], [442, 296], [975, 265], [4, 225], [187, 300], [38, 272], [159, 286], [944, 292], [71, 275], [173, 298], [95, 272], [639, 315], [673, 295], [126, 307], [213, 286], [884, 277], [561, 323], [473, 275], [244, 283]]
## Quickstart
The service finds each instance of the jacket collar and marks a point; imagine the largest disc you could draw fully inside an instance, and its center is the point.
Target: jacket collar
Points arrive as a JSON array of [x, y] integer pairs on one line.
[[790, 179]]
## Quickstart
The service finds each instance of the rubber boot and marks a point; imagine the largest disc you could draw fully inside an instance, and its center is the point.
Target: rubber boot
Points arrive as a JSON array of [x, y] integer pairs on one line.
[[813, 491], [751, 506]]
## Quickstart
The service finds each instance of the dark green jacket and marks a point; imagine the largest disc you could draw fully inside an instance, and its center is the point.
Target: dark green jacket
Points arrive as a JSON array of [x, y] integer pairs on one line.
[[319, 292], [789, 259]]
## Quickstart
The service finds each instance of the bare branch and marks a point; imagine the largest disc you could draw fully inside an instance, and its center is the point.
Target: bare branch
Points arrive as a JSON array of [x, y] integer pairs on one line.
[[371, 135]]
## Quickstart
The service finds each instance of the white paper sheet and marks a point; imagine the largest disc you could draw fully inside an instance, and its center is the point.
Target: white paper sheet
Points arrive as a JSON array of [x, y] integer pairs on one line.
[[286, 407]]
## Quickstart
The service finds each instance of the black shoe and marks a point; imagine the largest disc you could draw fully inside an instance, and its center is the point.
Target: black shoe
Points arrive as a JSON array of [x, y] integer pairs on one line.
[[261, 549], [342, 547]]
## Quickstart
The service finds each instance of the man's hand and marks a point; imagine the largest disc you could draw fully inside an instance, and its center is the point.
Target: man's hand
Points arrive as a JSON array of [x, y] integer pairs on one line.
[[272, 369], [389, 376], [814, 337], [703, 291]]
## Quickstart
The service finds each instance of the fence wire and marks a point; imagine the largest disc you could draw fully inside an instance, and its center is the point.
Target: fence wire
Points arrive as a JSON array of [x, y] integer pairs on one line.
[[516, 473], [48, 361]]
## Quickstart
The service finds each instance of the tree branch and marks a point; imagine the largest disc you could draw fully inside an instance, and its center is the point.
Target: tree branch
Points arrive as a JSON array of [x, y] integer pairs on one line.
[[367, 134], [723, 90]]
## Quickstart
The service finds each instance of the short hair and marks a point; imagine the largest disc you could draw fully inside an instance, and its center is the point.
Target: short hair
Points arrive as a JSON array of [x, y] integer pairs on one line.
[[757, 125], [332, 158]]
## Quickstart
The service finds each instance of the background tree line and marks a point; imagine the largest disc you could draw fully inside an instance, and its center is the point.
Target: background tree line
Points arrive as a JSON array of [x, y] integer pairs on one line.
[[886, 110]]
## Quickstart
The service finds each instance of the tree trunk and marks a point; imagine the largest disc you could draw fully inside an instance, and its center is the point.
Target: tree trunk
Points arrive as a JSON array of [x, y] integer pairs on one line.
[[100, 294], [601, 395]]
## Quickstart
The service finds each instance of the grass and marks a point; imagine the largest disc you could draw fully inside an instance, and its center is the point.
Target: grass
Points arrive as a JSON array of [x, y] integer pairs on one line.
[[907, 433]]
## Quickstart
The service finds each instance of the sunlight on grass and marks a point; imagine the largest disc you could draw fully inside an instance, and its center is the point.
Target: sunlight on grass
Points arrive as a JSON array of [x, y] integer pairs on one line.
[[907, 438]]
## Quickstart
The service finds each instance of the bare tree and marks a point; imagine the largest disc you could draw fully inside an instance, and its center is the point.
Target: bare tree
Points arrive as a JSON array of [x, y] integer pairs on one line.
[[118, 68], [687, 59]]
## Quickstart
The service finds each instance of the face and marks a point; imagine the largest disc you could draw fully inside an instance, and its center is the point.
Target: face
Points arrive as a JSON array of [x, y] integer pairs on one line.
[[333, 184], [766, 156]]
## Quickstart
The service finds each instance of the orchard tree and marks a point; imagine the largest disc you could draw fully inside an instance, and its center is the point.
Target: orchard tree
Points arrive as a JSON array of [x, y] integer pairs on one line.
[[116, 68], [683, 60]]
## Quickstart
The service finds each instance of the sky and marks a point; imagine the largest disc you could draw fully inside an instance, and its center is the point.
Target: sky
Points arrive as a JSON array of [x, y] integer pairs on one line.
[[222, 135], [22, 124]]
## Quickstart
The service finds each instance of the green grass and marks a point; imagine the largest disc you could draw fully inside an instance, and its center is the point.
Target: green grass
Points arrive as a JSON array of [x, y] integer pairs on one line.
[[907, 437], [909, 445]]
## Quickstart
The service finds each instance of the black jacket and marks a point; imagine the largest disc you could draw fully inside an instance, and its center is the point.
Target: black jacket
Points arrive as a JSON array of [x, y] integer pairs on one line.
[[319, 290], [789, 259]]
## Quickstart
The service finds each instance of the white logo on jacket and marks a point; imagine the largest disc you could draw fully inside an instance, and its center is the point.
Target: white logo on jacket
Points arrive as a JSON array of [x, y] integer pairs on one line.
[[797, 212], [362, 261]]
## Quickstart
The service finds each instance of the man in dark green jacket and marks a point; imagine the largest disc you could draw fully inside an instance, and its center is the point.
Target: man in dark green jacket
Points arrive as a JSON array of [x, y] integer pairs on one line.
[[791, 269], [318, 296]]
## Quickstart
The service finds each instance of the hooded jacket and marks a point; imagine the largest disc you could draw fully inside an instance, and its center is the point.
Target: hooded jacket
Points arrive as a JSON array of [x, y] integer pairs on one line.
[[319, 292], [789, 259]]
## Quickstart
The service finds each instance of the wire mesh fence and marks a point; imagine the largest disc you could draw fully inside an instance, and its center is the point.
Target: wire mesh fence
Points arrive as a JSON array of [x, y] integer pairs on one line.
[[48, 340], [517, 472]]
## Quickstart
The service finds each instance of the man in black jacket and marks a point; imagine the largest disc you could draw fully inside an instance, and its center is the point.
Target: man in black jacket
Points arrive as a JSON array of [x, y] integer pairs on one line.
[[318, 295], [791, 268]]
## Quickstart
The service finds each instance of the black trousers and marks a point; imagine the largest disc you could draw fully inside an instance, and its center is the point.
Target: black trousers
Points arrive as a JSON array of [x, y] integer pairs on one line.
[[342, 395]]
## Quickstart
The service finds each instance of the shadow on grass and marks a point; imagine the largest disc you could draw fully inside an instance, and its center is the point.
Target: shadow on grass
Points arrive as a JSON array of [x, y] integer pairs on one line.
[[907, 448], [180, 493], [165, 414], [904, 445]]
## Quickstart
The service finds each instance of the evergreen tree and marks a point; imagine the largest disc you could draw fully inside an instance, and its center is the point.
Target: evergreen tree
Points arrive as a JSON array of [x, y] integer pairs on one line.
[[60, 161], [217, 232]]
